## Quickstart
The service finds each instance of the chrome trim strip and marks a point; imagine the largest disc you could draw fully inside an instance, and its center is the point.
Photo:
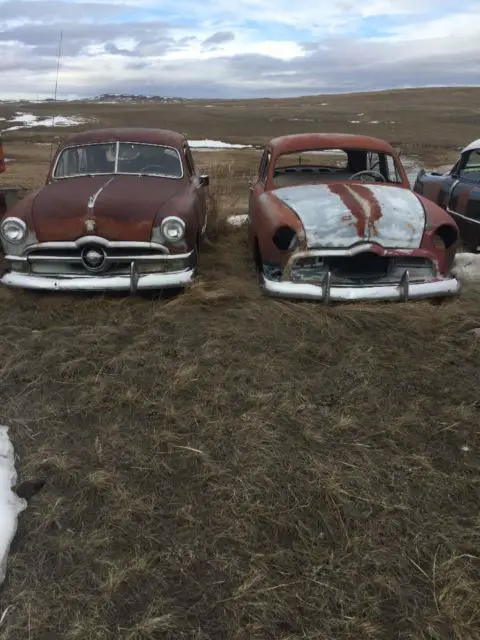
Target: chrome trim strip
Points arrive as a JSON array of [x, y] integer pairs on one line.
[[128, 258], [93, 198], [405, 284], [327, 287], [134, 277], [100, 283], [452, 187], [103, 242], [461, 215]]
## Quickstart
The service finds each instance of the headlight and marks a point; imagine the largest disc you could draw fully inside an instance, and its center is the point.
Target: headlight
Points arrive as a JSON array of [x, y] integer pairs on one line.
[[173, 228], [13, 230]]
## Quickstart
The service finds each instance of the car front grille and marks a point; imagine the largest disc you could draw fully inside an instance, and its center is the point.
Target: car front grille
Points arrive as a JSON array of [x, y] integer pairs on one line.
[[99, 258], [363, 269]]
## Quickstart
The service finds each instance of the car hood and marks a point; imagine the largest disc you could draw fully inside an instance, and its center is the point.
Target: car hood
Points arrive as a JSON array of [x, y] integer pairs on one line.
[[120, 207], [338, 215]]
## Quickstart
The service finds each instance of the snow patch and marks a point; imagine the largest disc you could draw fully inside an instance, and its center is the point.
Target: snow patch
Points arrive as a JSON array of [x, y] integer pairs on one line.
[[466, 266], [216, 144], [355, 121], [238, 220], [23, 120], [10, 504]]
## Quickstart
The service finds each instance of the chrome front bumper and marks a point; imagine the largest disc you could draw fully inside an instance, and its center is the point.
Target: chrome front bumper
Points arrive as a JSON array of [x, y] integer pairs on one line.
[[325, 291], [132, 278], [436, 288], [132, 282]]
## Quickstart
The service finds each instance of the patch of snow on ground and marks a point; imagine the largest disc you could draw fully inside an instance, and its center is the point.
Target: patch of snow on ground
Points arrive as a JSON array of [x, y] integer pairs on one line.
[[10, 504], [216, 144], [27, 120], [238, 220], [466, 266], [374, 121], [355, 121]]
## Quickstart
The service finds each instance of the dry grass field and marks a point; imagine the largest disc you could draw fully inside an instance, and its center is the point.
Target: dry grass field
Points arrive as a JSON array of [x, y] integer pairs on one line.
[[224, 466]]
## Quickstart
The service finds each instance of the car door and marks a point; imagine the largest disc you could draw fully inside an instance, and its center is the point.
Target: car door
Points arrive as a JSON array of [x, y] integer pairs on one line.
[[198, 184], [465, 188], [449, 184], [257, 187], [258, 182]]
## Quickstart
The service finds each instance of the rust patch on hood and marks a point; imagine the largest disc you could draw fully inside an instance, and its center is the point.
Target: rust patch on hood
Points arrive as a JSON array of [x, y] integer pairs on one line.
[[362, 204]]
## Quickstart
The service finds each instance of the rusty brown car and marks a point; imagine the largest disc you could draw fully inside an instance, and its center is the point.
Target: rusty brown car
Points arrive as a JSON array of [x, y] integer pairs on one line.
[[333, 217], [458, 192], [121, 209]]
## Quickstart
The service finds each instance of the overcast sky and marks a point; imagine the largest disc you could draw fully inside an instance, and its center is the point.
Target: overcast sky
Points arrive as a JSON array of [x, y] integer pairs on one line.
[[235, 48]]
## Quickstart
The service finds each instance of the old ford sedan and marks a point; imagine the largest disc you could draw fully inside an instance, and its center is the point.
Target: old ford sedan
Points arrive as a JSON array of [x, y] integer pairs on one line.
[[333, 217], [121, 209]]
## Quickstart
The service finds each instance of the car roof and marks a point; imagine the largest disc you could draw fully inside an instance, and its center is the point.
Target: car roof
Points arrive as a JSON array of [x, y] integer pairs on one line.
[[309, 141], [472, 146], [127, 134]]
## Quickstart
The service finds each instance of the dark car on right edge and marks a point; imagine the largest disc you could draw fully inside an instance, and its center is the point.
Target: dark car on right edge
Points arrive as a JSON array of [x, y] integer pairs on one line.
[[458, 192]]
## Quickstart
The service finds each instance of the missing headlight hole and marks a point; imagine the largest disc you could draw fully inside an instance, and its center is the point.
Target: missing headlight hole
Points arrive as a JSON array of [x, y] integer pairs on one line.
[[283, 236], [447, 234]]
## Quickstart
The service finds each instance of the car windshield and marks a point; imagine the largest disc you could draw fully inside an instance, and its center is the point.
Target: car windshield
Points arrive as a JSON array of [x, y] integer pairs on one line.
[[119, 157], [324, 165]]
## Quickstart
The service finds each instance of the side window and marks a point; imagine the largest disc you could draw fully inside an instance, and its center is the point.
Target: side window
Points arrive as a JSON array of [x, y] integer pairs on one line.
[[189, 160], [472, 162], [393, 175]]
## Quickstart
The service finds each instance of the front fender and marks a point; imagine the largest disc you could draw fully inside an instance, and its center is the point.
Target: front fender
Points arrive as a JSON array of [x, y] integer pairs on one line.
[[271, 216]]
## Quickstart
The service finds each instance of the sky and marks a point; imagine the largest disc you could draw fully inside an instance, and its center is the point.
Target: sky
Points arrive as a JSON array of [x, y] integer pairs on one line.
[[235, 48]]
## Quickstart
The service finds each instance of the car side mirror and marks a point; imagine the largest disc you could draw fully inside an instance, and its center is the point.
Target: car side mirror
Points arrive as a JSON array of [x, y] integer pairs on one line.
[[204, 181]]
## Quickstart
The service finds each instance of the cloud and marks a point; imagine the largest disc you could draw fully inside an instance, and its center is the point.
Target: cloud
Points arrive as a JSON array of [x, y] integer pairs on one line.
[[249, 48], [221, 37]]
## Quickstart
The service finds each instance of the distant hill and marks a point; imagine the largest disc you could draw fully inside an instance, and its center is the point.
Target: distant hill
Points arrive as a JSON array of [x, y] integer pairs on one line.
[[105, 98]]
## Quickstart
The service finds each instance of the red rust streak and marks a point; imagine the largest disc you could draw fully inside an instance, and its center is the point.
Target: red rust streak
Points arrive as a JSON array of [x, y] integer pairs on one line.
[[362, 204]]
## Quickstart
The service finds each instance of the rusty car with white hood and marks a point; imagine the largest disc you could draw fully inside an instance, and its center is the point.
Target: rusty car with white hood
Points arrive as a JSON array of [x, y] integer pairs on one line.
[[121, 209], [333, 217]]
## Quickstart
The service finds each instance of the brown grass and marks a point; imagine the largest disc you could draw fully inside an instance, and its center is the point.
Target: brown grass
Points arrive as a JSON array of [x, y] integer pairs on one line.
[[220, 465]]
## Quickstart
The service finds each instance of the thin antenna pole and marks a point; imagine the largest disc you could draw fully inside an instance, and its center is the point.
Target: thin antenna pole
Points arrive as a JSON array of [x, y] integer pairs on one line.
[[56, 86]]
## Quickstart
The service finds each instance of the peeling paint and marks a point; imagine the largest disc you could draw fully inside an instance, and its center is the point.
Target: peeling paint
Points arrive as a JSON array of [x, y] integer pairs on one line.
[[339, 215]]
